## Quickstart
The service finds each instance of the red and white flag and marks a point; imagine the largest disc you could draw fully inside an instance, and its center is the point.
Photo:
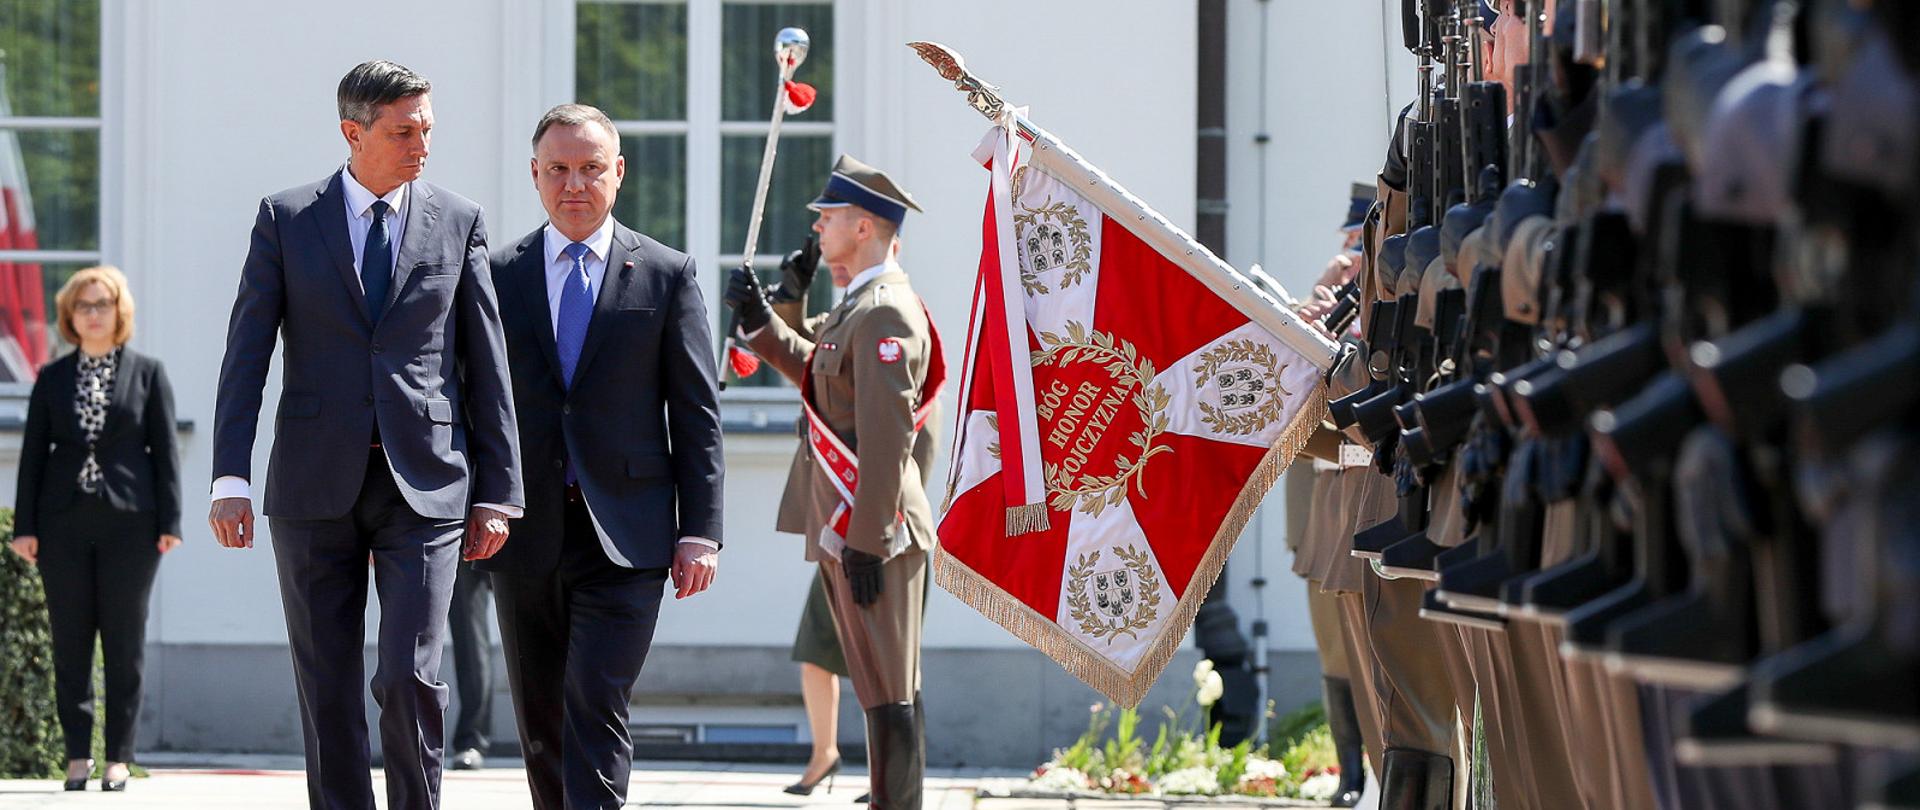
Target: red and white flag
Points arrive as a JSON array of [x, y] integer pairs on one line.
[[23, 303], [1127, 399]]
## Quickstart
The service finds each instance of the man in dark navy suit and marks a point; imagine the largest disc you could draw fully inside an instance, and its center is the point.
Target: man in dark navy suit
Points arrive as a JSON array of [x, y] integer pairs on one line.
[[395, 433], [613, 381]]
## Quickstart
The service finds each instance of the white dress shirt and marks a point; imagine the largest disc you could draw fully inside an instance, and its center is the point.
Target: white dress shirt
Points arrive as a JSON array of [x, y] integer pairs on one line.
[[559, 267], [359, 221], [360, 216]]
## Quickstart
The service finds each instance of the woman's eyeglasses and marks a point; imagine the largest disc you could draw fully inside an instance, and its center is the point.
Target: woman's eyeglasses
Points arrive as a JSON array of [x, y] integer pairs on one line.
[[94, 307]]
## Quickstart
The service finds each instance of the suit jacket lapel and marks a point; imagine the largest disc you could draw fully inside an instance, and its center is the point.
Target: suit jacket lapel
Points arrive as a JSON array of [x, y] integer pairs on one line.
[[613, 286], [122, 378], [529, 282], [65, 382], [332, 219], [422, 211]]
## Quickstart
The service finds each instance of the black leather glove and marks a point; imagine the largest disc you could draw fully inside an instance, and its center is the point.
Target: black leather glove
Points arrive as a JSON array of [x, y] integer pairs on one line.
[[796, 273], [748, 301], [863, 575]]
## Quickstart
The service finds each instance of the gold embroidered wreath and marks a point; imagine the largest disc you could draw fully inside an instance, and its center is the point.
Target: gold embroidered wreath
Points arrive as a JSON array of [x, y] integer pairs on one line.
[[1092, 494], [1064, 215], [1092, 622], [1252, 353]]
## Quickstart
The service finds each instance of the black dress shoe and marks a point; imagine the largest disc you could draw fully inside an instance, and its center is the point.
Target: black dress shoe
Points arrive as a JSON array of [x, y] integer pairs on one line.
[[108, 785], [805, 788], [468, 759]]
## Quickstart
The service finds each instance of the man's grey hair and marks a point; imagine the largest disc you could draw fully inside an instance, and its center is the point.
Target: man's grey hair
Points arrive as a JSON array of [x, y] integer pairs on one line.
[[574, 115], [375, 84]]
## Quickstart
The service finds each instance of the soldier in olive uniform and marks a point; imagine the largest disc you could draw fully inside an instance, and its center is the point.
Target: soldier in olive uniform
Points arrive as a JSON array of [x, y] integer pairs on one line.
[[865, 373]]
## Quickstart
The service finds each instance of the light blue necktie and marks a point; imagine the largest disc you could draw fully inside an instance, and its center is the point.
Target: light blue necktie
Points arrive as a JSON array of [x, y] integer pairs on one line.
[[576, 308]]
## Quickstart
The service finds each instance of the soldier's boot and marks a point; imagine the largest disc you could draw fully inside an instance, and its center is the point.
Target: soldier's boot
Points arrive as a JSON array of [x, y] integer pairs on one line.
[[1416, 780], [1344, 722], [893, 755], [920, 730]]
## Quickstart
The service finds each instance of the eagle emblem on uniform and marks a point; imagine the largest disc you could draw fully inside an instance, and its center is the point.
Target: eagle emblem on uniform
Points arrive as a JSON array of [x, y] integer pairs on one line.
[[890, 350]]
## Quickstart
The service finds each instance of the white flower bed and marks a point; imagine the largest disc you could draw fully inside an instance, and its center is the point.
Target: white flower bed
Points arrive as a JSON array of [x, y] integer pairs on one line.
[[1061, 779], [1320, 787], [1261, 768], [1191, 782]]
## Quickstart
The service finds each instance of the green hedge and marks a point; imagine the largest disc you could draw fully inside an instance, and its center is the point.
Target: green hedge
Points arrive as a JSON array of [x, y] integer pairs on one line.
[[30, 744]]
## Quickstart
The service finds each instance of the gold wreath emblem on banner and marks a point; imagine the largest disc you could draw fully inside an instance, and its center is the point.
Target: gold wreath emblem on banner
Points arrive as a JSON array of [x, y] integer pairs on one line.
[[1122, 602], [1092, 494], [1051, 237], [1247, 374]]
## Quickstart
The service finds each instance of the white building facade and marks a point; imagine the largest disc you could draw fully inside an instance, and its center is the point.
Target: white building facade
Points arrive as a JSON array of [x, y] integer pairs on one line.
[[151, 129]]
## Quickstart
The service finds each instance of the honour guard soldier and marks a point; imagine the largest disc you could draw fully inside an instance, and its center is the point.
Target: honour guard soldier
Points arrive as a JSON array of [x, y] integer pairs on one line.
[[869, 375]]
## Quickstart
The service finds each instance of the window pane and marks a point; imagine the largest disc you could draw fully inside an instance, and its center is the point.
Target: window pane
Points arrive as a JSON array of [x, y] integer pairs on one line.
[[653, 197], [631, 59], [50, 53], [28, 337], [56, 204], [747, 69], [798, 175]]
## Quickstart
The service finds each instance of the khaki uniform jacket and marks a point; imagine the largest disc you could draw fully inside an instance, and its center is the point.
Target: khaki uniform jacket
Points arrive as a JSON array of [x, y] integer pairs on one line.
[[796, 499], [867, 393]]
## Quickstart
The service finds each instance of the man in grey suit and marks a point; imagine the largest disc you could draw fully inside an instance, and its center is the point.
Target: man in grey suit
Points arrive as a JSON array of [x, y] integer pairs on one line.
[[396, 422], [614, 384]]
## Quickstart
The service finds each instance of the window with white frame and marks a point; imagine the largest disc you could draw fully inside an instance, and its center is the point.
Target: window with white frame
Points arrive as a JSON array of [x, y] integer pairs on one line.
[[50, 211], [690, 86]]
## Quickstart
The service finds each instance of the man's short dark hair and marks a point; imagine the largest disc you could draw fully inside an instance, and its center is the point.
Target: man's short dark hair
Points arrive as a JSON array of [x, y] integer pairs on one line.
[[574, 115], [374, 84]]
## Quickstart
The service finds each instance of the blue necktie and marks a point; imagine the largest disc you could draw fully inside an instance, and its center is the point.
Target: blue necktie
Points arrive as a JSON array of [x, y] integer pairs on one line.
[[576, 308], [376, 261]]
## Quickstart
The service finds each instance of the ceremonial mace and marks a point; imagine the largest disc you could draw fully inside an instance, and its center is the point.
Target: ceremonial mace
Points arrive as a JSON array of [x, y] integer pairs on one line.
[[789, 50]]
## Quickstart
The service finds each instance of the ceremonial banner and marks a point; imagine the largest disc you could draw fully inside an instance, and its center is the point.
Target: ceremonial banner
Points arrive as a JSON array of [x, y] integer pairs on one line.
[[23, 299], [1127, 399]]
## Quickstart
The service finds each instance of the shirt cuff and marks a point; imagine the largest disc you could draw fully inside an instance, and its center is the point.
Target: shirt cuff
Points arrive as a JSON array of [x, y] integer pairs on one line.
[[701, 541], [231, 486], [512, 512]]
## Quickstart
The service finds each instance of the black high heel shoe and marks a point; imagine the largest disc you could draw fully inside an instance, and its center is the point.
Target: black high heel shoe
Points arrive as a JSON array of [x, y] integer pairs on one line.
[[80, 782], [108, 785], [805, 788]]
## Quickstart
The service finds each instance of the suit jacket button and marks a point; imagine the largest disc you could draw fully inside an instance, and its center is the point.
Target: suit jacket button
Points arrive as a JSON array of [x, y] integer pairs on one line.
[[376, 348], [566, 410], [369, 399], [558, 464]]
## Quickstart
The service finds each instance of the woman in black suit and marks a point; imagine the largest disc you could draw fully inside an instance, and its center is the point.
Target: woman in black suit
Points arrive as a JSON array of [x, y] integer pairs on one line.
[[99, 502]]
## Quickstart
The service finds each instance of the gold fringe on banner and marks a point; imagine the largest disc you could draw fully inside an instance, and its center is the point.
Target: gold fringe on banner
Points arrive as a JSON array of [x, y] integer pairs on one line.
[[1083, 662], [1032, 517]]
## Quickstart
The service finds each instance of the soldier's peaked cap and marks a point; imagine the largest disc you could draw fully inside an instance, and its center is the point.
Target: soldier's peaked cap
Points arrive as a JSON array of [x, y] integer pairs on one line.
[[856, 183]]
